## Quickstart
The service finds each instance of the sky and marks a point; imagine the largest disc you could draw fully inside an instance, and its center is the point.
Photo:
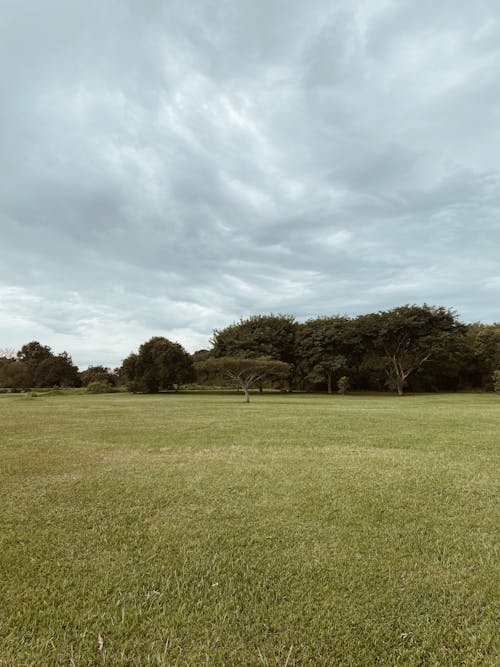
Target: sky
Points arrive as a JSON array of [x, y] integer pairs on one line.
[[168, 167]]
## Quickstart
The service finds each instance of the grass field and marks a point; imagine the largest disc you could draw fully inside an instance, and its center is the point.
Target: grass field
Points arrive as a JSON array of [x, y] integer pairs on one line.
[[297, 530]]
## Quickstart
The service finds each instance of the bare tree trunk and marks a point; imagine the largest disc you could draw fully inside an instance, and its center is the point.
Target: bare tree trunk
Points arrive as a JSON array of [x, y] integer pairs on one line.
[[247, 394], [329, 382]]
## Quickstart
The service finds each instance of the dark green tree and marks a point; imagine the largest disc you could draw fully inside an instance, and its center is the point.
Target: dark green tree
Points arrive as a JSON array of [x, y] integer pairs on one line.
[[57, 371], [407, 337], [159, 364], [487, 352], [98, 374], [496, 381], [33, 354], [14, 374], [271, 336], [323, 346]]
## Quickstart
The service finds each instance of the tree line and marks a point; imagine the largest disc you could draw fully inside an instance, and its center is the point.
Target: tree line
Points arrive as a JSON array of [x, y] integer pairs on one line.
[[414, 348]]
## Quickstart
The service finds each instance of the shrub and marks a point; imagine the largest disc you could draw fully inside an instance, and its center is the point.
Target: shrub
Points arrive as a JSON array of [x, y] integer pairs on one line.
[[100, 388], [343, 384]]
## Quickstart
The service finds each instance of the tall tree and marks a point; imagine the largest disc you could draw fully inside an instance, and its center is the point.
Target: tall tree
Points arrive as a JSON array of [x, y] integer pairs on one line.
[[159, 364], [14, 374], [57, 371], [487, 352], [408, 337], [33, 354], [271, 336], [322, 348]]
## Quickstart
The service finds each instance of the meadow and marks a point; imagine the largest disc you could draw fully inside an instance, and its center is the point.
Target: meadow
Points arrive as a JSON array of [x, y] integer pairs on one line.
[[193, 529]]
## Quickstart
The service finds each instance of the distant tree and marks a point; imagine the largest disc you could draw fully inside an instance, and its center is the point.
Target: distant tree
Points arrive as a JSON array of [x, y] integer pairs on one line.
[[487, 352], [242, 372], [57, 371], [271, 336], [201, 355], [98, 374], [33, 354], [322, 346], [126, 372], [496, 381], [159, 364], [407, 337], [14, 374]]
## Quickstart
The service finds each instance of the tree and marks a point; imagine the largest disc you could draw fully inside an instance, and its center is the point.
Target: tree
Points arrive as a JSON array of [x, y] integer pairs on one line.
[[271, 336], [322, 346], [486, 348], [159, 364], [33, 354], [57, 371], [496, 381], [407, 337], [241, 371], [14, 374], [98, 374]]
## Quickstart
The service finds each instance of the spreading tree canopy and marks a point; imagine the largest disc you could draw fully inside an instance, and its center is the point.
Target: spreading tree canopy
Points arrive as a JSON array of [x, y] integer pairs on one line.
[[242, 372], [407, 337]]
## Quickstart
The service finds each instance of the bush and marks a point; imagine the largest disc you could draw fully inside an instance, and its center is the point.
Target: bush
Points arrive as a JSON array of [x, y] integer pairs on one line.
[[343, 384], [100, 388]]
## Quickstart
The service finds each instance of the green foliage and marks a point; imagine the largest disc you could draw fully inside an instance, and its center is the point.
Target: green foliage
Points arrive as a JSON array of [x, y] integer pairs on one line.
[[160, 364], [242, 372], [343, 385], [408, 337], [98, 374], [98, 387], [321, 348], [33, 354], [56, 371], [486, 351], [496, 381], [271, 336], [43, 369], [14, 374]]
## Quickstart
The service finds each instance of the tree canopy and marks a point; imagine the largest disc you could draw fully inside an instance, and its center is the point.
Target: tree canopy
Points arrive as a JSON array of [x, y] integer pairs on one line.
[[159, 364], [242, 372], [407, 348]]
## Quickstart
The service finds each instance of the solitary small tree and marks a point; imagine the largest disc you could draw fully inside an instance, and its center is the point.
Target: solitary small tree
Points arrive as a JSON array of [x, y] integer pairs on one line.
[[243, 372]]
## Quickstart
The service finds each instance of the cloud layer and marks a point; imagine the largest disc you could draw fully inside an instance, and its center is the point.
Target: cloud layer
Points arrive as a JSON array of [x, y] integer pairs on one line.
[[166, 168]]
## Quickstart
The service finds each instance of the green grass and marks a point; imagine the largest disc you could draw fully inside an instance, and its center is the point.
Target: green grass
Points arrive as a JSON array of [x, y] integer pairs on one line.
[[297, 530]]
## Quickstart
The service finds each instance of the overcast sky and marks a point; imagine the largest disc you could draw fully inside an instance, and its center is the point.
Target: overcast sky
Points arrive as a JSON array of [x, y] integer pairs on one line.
[[167, 167]]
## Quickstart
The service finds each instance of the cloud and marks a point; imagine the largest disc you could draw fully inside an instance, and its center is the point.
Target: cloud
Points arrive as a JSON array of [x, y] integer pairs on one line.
[[166, 168]]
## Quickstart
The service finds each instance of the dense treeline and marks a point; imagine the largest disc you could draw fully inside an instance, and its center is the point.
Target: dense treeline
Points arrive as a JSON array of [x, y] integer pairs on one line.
[[414, 348], [418, 348]]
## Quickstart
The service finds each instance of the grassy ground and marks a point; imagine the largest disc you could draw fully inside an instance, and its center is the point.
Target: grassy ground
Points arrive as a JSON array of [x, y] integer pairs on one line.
[[297, 530]]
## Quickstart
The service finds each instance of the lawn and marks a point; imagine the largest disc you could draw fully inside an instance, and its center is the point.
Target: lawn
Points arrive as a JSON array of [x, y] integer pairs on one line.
[[193, 529]]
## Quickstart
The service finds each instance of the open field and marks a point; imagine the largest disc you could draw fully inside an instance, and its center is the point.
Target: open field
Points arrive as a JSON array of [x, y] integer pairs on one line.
[[297, 530]]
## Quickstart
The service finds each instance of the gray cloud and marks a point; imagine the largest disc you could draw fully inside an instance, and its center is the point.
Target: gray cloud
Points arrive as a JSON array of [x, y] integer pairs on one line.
[[166, 168]]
